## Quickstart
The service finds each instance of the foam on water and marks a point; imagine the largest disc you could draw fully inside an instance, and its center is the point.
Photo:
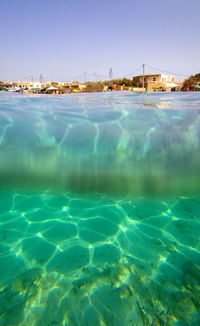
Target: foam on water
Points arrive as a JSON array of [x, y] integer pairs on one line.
[[92, 229]]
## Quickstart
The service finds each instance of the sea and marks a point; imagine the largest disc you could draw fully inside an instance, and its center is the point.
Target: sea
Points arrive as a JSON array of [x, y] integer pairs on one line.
[[100, 209]]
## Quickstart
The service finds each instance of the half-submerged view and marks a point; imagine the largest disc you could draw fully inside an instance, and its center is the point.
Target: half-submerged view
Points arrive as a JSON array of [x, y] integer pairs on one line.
[[99, 209]]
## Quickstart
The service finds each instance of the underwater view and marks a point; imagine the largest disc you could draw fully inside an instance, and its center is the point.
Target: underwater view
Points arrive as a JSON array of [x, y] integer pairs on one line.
[[100, 209]]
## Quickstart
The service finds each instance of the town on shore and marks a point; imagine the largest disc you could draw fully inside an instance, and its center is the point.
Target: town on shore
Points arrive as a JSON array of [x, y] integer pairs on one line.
[[142, 83]]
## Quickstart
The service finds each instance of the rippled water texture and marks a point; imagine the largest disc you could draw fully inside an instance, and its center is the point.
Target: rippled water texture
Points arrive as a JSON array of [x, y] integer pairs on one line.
[[99, 209], [121, 143]]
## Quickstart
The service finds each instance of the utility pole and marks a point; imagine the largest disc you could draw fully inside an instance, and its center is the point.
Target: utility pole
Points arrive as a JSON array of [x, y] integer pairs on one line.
[[95, 76], [110, 73], [41, 78], [143, 67], [85, 77]]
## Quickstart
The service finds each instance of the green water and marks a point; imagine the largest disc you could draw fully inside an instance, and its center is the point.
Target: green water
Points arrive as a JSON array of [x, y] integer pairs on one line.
[[92, 260], [103, 230]]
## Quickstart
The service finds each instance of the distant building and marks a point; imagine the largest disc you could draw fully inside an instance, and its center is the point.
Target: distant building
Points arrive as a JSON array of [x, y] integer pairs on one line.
[[117, 87], [37, 85], [82, 87], [156, 82], [76, 87]]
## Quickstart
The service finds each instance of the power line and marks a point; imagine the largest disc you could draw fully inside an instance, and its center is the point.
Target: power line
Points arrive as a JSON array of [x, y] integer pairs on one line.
[[167, 72], [117, 76], [76, 77], [95, 75], [133, 73], [98, 75]]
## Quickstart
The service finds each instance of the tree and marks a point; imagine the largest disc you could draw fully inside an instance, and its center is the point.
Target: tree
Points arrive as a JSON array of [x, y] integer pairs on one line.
[[188, 84]]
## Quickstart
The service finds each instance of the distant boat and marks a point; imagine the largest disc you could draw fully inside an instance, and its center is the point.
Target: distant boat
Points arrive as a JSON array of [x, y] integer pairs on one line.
[[14, 89]]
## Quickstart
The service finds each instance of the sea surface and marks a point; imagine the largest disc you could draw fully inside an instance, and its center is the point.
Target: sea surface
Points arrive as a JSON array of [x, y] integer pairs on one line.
[[100, 209]]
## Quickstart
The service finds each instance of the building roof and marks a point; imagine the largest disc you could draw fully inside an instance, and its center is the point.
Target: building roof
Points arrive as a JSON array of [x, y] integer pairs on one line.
[[149, 75]]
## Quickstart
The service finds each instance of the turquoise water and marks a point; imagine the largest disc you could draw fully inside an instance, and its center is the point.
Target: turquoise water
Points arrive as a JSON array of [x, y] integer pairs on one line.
[[99, 209]]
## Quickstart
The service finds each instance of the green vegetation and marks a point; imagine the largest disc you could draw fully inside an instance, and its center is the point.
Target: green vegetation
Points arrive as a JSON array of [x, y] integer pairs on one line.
[[189, 83], [126, 82], [134, 82], [96, 85]]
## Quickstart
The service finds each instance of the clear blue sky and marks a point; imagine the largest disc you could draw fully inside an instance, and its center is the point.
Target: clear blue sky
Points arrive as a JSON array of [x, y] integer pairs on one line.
[[64, 38]]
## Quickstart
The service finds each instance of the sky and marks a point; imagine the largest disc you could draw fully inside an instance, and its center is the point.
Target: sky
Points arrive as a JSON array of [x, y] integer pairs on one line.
[[62, 39]]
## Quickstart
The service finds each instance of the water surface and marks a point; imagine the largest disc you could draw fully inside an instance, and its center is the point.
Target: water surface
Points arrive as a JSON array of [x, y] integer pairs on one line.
[[99, 209]]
